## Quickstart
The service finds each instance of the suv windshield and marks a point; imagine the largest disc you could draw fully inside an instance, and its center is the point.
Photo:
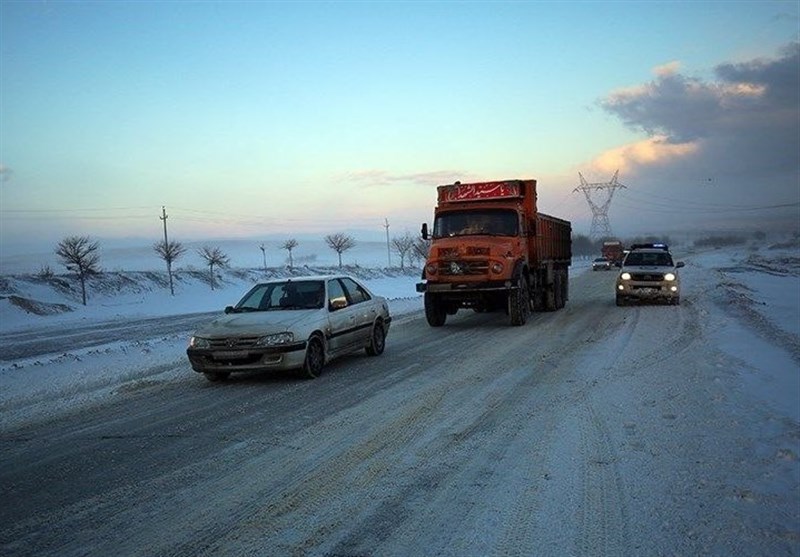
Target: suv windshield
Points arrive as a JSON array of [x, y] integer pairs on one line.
[[649, 259], [493, 222]]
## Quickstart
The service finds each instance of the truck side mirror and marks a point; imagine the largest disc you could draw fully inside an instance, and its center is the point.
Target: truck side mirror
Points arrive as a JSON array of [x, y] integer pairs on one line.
[[424, 230]]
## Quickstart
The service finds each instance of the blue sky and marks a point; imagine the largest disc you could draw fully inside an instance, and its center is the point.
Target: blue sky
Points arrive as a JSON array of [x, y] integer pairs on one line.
[[290, 118]]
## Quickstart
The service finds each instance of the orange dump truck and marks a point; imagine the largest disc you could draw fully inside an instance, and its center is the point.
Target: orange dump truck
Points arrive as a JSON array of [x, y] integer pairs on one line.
[[491, 250], [614, 252]]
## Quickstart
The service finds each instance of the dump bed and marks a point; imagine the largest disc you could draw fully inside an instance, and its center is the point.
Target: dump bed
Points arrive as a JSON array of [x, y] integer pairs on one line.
[[553, 240]]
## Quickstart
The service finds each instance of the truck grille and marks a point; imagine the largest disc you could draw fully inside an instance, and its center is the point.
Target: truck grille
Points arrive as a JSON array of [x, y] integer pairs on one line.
[[463, 268], [233, 343]]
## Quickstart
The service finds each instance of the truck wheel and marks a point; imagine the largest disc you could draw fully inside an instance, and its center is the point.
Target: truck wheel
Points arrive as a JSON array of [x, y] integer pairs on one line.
[[559, 290], [519, 303], [434, 311]]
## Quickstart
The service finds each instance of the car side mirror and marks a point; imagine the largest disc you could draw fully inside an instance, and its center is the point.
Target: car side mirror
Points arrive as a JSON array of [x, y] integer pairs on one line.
[[338, 303], [228, 309], [679, 264]]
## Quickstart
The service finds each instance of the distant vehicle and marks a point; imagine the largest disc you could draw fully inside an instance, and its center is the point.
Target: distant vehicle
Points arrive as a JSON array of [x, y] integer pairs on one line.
[[601, 264], [614, 252], [492, 250], [648, 273], [298, 323]]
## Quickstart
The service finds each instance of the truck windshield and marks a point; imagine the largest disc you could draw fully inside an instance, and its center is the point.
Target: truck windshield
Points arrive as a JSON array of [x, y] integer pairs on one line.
[[491, 222]]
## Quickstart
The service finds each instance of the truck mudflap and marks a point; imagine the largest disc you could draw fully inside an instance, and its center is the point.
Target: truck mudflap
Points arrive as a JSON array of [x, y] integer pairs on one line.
[[465, 287]]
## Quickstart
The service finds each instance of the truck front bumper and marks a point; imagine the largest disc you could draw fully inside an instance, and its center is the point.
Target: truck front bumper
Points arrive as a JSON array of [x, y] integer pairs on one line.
[[484, 286]]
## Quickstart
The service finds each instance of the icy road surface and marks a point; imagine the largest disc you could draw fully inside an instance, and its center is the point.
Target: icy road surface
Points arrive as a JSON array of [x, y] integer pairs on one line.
[[594, 430]]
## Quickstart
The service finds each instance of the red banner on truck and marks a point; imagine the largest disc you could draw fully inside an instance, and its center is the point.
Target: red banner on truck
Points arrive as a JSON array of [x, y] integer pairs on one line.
[[482, 190]]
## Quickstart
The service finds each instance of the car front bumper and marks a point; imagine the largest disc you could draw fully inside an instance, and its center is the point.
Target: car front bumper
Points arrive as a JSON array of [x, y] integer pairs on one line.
[[210, 360], [648, 290]]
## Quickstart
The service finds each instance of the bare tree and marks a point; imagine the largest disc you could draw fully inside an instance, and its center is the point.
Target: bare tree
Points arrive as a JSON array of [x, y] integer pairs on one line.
[[79, 255], [170, 251], [340, 243], [402, 245], [213, 257], [419, 251], [289, 245]]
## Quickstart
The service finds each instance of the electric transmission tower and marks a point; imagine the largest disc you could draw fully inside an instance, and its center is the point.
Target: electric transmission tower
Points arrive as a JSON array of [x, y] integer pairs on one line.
[[599, 198]]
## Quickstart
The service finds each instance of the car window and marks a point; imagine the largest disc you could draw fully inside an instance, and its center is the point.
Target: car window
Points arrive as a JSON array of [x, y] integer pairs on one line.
[[284, 295], [257, 298], [356, 293], [310, 294], [336, 294]]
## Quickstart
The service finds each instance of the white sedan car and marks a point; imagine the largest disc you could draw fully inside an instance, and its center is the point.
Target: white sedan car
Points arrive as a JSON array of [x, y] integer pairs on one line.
[[295, 323]]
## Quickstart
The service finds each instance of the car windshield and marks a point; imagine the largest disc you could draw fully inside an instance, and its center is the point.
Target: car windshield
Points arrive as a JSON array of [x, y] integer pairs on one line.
[[492, 222], [289, 295], [649, 259]]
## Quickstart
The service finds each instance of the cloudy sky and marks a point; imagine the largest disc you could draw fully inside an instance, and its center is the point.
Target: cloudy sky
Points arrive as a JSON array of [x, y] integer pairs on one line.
[[252, 119]]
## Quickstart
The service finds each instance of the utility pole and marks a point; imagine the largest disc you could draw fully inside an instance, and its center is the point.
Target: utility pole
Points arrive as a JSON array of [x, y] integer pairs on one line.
[[264, 253], [167, 250], [388, 246], [163, 217]]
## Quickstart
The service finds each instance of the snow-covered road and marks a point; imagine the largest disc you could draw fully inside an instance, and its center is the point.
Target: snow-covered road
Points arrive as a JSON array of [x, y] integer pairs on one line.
[[595, 430]]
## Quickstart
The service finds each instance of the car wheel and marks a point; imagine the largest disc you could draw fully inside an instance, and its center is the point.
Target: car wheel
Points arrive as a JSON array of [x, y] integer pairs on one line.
[[620, 301], [315, 358], [377, 340], [215, 376], [676, 301]]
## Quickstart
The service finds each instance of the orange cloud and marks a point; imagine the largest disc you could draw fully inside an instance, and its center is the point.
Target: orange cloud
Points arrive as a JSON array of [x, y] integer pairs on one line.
[[650, 151]]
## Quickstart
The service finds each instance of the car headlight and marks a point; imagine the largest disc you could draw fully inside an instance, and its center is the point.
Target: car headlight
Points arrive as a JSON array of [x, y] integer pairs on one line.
[[198, 342], [625, 276], [669, 276], [275, 340]]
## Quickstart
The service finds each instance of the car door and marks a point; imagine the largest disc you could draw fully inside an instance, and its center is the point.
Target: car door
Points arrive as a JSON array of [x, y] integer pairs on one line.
[[342, 316], [365, 309]]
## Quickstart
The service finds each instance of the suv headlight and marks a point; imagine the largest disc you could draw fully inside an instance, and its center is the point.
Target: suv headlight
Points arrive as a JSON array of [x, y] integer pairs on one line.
[[198, 342], [669, 276], [275, 340], [625, 276]]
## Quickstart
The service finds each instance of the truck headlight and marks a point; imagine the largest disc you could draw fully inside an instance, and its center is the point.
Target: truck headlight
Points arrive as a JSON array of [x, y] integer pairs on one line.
[[669, 277], [497, 268], [430, 269], [198, 342], [625, 276], [275, 340]]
